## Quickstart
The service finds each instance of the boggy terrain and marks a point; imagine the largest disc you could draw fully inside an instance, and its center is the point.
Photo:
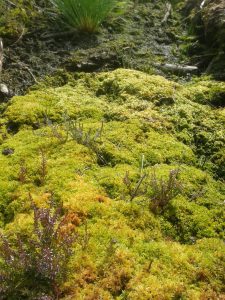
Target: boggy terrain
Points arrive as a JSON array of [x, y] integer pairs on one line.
[[38, 43], [136, 163]]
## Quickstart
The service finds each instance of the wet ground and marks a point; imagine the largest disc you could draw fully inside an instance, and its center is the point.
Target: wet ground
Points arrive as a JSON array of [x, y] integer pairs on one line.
[[146, 36]]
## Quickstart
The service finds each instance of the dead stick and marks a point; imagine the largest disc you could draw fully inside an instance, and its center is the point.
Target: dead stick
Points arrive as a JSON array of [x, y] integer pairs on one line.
[[11, 3], [1, 54], [19, 38], [168, 13], [25, 67], [58, 34], [176, 68], [134, 194]]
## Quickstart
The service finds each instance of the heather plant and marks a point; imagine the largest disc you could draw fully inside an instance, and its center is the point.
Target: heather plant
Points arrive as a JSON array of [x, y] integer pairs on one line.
[[86, 15], [89, 138], [157, 191], [77, 132], [134, 189], [22, 175], [34, 267], [163, 190], [70, 129], [43, 167], [73, 129]]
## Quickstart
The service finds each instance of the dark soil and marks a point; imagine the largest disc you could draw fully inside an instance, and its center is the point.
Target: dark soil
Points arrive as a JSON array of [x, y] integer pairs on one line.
[[137, 40]]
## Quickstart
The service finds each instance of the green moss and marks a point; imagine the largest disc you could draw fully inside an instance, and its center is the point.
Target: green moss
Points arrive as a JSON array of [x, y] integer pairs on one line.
[[15, 19], [150, 126], [52, 103], [192, 220], [166, 256], [207, 92], [126, 142], [126, 85], [88, 94], [122, 95]]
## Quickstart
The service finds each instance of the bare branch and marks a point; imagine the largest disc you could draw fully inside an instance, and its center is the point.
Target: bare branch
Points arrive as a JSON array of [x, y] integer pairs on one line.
[[1, 54], [167, 14]]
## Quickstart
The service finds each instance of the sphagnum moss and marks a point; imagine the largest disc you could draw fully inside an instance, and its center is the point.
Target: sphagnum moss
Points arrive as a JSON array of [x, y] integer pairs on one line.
[[124, 250]]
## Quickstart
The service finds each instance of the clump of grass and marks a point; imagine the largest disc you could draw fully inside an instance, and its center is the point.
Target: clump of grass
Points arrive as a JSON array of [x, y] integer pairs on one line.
[[77, 132], [85, 15]]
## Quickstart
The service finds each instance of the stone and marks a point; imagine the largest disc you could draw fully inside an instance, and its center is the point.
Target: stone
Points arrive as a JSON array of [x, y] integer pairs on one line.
[[4, 89], [7, 151]]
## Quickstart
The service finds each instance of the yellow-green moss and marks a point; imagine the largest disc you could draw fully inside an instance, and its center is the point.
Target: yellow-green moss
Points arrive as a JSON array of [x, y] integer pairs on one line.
[[207, 92], [125, 251]]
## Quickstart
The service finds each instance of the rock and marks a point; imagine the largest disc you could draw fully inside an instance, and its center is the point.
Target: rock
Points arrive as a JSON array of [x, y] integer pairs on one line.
[[7, 151], [4, 89], [4, 92]]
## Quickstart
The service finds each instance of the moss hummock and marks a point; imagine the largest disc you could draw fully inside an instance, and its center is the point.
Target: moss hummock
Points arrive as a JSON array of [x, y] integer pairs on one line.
[[131, 124]]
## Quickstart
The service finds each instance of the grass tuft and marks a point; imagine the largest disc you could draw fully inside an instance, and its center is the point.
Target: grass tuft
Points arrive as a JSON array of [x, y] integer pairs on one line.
[[86, 15]]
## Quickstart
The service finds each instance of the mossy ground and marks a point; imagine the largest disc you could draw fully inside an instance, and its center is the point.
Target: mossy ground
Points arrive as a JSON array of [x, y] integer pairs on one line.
[[150, 125]]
